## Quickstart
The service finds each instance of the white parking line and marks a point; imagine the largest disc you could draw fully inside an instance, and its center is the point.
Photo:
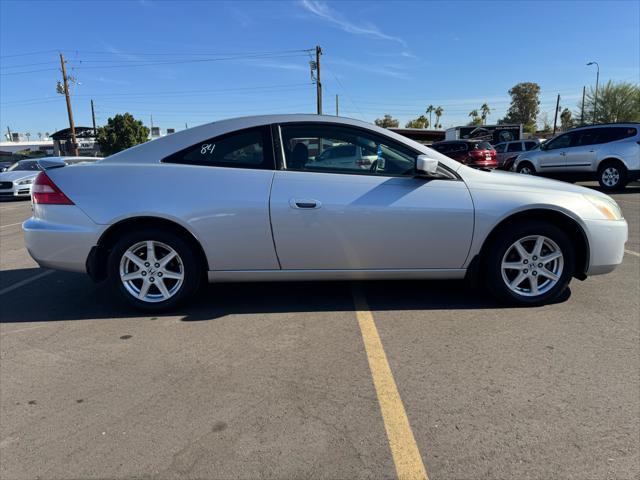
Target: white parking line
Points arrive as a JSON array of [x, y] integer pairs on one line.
[[26, 281], [631, 252], [10, 225]]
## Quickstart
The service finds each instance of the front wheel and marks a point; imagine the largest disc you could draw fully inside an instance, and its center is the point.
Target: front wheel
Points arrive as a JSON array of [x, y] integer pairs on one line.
[[153, 269], [526, 168], [530, 264]]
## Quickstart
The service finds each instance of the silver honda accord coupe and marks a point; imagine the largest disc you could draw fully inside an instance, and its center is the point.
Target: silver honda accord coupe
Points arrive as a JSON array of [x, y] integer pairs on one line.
[[247, 199]]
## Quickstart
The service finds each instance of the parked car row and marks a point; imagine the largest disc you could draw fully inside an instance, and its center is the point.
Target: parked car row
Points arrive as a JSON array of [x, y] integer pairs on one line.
[[608, 153]]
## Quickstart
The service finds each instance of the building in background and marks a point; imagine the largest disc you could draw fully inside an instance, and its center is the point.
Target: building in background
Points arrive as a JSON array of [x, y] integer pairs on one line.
[[87, 146]]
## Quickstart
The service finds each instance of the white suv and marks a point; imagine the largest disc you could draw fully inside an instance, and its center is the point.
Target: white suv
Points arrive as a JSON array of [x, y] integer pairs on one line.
[[610, 153]]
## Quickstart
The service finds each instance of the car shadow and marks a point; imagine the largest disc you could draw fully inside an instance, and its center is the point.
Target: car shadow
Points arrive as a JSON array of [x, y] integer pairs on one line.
[[62, 296]]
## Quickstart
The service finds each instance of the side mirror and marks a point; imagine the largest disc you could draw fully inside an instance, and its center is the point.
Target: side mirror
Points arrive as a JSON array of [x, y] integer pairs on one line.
[[426, 165]]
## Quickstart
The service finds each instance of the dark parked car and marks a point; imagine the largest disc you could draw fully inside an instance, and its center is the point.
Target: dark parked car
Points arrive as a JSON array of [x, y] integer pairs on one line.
[[470, 152]]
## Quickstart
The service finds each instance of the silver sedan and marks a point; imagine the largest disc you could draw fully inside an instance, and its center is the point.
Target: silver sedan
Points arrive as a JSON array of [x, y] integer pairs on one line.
[[246, 200]]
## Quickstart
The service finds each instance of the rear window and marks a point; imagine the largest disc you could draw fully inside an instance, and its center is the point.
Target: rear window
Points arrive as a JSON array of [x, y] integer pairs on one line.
[[515, 147], [482, 146]]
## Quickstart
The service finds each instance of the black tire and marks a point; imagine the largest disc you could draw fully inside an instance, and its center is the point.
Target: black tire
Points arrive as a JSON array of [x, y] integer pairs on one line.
[[526, 165], [612, 175], [503, 243], [187, 262]]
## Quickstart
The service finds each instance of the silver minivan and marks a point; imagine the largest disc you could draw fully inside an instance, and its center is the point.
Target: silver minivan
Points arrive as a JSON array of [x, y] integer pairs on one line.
[[609, 153]]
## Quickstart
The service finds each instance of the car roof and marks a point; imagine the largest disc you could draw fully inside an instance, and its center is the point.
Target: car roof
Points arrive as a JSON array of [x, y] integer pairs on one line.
[[154, 150], [605, 125]]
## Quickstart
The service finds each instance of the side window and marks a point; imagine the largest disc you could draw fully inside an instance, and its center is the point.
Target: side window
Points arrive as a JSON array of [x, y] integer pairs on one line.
[[563, 141], [514, 147], [586, 137], [530, 145], [242, 149], [500, 147], [611, 134], [333, 148]]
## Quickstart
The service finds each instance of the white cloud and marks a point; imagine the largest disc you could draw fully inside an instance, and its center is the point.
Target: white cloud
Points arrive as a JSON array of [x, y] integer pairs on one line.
[[322, 10]]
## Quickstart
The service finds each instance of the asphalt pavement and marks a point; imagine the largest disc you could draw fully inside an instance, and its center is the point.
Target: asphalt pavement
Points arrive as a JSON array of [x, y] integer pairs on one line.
[[330, 380]]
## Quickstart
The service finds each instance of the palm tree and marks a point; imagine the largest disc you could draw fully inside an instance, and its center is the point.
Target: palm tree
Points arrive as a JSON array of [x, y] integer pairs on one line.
[[430, 109], [485, 112], [473, 114], [438, 111]]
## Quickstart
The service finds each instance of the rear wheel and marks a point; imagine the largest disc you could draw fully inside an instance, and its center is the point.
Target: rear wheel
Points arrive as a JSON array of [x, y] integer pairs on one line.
[[612, 175], [526, 168], [153, 270], [530, 264]]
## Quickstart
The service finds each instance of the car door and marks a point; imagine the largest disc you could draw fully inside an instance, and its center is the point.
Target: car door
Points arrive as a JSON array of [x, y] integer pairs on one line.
[[552, 156], [581, 155], [355, 219]]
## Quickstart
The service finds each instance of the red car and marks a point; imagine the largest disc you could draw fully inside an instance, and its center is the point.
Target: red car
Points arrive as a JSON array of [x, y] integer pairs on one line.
[[475, 153]]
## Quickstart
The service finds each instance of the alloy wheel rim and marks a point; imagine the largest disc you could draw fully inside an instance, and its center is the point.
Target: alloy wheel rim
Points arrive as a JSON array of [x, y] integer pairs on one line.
[[610, 176], [151, 271], [525, 170], [532, 266]]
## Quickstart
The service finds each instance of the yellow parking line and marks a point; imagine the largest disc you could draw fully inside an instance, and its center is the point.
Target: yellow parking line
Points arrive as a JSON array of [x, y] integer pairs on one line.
[[631, 252], [405, 453]]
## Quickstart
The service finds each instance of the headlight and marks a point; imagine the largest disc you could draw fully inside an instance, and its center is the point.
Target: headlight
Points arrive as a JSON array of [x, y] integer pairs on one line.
[[26, 182], [606, 206]]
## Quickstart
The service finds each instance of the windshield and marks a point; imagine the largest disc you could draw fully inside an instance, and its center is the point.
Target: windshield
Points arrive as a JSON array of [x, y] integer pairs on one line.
[[24, 165]]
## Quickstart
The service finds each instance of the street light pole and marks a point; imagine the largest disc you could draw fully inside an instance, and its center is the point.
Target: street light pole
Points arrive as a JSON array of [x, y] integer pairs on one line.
[[595, 101]]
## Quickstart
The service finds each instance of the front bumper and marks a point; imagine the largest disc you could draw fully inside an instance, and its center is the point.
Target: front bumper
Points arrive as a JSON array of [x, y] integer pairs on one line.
[[606, 244], [21, 191], [60, 237]]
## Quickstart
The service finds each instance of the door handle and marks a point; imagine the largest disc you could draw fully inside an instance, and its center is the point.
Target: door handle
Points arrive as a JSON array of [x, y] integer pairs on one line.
[[306, 203]]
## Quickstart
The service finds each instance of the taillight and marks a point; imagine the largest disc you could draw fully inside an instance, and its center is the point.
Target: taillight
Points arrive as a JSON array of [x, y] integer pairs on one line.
[[45, 192], [476, 153]]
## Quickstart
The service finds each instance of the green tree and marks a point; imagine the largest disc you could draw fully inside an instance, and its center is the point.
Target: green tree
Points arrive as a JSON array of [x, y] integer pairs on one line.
[[617, 102], [546, 125], [485, 112], [420, 122], [387, 121], [475, 118], [566, 122], [121, 132], [525, 105], [430, 110], [438, 112]]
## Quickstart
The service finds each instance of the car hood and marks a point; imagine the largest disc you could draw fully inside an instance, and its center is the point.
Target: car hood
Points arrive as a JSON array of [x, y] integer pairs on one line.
[[497, 179], [17, 175]]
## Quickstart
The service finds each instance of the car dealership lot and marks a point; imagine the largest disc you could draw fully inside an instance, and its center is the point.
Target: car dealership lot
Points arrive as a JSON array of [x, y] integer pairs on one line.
[[273, 380]]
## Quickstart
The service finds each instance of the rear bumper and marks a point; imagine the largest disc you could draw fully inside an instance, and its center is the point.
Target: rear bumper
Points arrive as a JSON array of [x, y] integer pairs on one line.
[[60, 237], [606, 245]]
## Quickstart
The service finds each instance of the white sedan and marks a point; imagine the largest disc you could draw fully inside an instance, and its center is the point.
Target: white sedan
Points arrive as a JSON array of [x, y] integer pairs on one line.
[[244, 200]]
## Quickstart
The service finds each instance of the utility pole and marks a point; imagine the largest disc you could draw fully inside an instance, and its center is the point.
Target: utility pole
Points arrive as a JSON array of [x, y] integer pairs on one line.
[[93, 118], [337, 108], [318, 82], [65, 82], [584, 88], [555, 117], [595, 102]]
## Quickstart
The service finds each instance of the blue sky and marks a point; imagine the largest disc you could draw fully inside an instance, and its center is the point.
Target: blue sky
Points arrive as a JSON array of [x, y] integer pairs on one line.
[[379, 57]]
